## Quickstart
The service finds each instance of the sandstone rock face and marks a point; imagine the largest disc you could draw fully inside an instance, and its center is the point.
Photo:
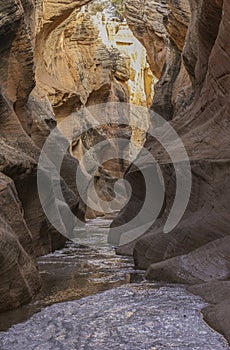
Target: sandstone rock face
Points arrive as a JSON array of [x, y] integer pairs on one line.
[[25, 123], [161, 26], [74, 67], [141, 80], [217, 294], [18, 154], [196, 251], [84, 60], [19, 275]]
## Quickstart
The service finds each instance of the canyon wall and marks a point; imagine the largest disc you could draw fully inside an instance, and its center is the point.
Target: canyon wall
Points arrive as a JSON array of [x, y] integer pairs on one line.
[[197, 250], [73, 67], [83, 60], [26, 120], [58, 47], [161, 26], [53, 62]]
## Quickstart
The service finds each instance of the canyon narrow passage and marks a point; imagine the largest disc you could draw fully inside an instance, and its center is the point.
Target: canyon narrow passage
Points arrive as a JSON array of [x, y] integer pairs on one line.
[[114, 175]]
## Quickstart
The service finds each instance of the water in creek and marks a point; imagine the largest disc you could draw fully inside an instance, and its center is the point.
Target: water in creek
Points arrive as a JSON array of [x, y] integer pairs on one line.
[[102, 309], [76, 271]]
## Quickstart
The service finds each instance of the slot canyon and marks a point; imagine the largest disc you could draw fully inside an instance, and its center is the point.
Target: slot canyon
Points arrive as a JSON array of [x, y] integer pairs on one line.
[[145, 80]]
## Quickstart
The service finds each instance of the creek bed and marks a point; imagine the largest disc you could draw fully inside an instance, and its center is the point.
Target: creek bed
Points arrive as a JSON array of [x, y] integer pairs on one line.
[[77, 270], [94, 300]]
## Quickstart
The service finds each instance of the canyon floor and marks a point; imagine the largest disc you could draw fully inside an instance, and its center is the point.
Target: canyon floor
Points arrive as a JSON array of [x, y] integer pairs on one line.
[[116, 307]]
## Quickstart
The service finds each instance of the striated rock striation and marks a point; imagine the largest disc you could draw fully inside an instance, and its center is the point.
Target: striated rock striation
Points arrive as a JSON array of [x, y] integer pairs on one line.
[[58, 47], [196, 251], [161, 26], [25, 123], [52, 64], [73, 67]]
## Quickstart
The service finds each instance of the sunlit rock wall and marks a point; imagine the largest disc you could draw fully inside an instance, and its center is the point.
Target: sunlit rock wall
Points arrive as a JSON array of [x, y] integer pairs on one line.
[[84, 60], [81, 71], [161, 26], [74, 67], [141, 80]]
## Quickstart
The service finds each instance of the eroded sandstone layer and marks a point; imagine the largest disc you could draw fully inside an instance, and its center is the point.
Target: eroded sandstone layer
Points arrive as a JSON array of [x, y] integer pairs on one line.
[[191, 62], [73, 66], [25, 123], [161, 26], [75, 69], [197, 250], [83, 60]]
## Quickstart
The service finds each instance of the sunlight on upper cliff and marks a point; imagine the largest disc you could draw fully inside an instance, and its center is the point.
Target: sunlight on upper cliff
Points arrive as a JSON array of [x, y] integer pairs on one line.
[[116, 33]]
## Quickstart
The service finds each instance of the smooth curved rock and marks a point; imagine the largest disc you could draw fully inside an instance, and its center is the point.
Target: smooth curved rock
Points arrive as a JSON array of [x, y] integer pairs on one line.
[[19, 274], [217, 314], [196, 250], [25, 232], [161, 26], [73, 67]]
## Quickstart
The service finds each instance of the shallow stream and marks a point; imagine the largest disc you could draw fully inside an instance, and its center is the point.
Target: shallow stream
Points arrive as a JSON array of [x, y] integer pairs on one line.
[[93, 299], [76, 271]]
